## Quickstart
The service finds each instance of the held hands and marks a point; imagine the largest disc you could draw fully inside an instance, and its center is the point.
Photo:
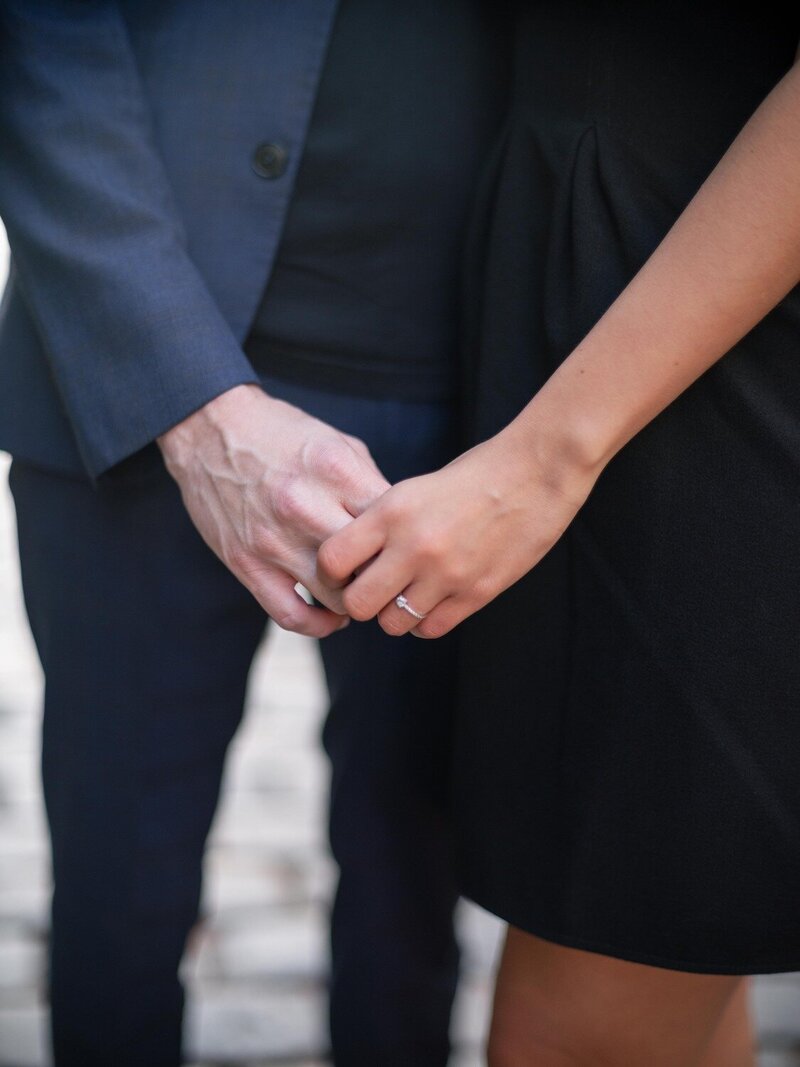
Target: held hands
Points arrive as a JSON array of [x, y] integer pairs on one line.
[[265, 484], [451, 541]]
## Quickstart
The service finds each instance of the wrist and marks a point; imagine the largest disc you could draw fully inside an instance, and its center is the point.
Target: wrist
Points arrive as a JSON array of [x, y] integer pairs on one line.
[[209, 420], [564, 446]]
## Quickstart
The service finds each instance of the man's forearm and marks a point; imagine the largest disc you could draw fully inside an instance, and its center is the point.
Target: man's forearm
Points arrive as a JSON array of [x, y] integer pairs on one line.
[[134, 339]]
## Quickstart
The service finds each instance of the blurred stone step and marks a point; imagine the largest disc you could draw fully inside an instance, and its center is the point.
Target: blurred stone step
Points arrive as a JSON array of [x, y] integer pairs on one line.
[[23, 1037], [786, 1058], [277, 944], [22, 964], [236, 1024], [776, 1001]]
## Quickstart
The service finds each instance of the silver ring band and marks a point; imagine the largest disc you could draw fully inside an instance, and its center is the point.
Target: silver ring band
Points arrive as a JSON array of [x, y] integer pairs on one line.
[[404, 605]]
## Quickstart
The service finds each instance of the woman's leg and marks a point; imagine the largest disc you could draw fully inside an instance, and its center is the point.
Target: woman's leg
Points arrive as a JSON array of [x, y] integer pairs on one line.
[[562, 1007], [733, 1044]]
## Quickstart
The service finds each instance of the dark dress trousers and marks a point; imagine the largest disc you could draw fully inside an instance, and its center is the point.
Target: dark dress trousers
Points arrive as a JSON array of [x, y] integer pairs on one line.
[[148, 155]]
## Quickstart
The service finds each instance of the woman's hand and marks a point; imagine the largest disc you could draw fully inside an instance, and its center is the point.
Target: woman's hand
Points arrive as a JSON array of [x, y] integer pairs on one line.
[[452, 540]]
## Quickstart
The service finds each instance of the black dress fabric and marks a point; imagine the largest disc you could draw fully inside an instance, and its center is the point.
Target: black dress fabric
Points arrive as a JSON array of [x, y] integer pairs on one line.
[[627, 764]]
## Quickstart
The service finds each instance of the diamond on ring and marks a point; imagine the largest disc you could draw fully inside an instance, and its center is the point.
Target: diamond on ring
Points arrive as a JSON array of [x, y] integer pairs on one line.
[[405, 606]]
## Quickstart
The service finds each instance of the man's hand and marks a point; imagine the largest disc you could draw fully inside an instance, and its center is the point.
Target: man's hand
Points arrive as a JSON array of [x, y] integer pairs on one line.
[[265, 484]]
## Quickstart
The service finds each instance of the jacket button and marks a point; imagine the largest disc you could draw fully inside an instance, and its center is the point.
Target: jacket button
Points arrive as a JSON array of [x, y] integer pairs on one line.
[[269, 160]]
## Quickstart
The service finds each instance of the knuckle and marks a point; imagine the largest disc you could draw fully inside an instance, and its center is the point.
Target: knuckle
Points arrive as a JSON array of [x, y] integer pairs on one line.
[[287, 619], [453, 572], [329, 460], [330, 598], [289, 502], [433, 628], [428, 548], [360, 447], [357, 442], [393, 626], [330, 563], [357, 605], [392, 508]]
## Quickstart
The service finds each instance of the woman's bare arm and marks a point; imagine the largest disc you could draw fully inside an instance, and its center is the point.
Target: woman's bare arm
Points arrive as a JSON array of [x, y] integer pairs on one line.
[[455, 539], [732, 255]]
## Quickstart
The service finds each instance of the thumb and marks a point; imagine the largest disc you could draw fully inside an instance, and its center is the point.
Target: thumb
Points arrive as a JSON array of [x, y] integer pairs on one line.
[[361, 447], [363, 451], [365, 488], [365, 491]]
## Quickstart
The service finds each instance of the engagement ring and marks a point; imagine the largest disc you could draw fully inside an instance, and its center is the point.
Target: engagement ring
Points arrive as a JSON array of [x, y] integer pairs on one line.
[[404, 604]]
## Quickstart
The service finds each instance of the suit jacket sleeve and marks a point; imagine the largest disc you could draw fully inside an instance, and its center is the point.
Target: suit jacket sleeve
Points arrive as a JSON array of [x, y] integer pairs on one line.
[[134, 339]]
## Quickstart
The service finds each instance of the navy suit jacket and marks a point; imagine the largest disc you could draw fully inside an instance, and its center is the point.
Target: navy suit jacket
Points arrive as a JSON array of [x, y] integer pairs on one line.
[[142, 234]]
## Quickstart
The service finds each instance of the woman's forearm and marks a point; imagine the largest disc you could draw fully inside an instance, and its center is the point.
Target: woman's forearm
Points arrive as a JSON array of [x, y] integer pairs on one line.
[[732, 255], [454, 539]]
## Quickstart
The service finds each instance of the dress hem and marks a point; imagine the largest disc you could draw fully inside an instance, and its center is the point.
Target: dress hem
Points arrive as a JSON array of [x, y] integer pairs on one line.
[[644, 958]]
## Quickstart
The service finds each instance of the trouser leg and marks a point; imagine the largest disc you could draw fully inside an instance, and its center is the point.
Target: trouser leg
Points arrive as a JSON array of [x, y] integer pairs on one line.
[[395, 961], [145, 639], [394, 955]]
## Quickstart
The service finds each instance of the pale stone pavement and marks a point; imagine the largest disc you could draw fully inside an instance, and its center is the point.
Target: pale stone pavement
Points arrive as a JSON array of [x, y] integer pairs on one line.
[[256, 972]]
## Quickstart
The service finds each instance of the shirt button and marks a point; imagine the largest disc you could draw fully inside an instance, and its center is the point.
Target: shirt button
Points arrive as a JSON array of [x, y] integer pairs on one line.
[[269, 160]]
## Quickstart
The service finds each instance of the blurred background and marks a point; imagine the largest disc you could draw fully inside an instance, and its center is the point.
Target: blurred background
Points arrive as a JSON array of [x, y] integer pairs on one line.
[[256, 968]]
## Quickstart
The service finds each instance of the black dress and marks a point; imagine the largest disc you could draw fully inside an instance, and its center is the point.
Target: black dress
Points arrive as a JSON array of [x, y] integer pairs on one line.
[[627, 763]]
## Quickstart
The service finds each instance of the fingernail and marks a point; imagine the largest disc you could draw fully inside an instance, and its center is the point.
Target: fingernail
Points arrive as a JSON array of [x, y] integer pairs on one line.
[[345, 622]]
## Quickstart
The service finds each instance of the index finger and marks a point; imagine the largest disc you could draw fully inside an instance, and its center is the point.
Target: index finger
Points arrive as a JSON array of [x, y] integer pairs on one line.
[[350, 548], [275, 591]]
